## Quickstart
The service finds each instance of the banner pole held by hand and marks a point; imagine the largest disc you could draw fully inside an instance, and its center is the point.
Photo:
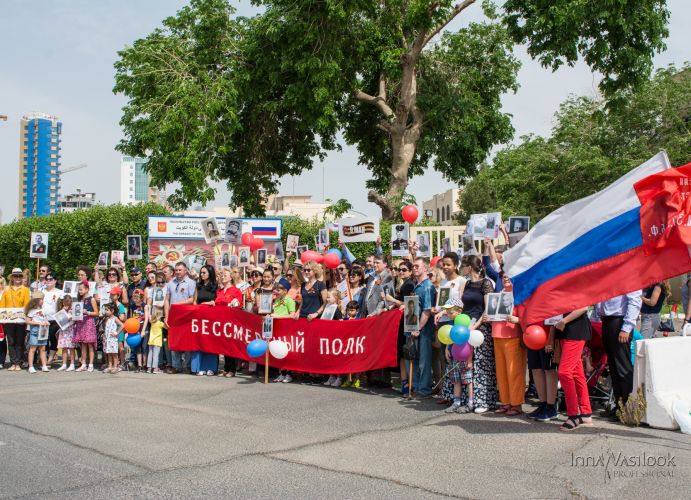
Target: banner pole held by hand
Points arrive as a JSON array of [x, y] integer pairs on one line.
[[266, 366]]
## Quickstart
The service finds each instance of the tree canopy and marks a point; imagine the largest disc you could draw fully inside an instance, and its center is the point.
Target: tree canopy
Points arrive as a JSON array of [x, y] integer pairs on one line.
[[215, 97], [590, 147]]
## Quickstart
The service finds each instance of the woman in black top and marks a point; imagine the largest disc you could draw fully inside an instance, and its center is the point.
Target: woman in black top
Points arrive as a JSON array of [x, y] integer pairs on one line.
[[313, 293], [653, 298], [204, 363], [405, 287], [572, 332]]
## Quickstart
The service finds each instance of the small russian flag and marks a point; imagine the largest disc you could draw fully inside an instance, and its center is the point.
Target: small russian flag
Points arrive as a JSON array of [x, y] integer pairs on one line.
[[264, 231]]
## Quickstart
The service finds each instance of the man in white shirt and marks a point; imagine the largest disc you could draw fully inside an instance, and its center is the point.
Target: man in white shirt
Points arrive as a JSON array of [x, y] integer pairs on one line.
[[51, 296]]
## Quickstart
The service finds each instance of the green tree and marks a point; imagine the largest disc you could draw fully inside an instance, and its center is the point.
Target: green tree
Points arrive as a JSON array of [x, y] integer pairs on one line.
[[76, 238], [249, 100], [590, 147]]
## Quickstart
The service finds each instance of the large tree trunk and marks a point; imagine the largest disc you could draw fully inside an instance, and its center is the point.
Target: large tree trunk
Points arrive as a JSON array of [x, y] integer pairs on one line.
[[403, 134], [403, 149]]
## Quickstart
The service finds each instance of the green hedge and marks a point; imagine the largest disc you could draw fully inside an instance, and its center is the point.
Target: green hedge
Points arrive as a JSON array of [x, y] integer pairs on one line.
[[78, 237], [75, 238]]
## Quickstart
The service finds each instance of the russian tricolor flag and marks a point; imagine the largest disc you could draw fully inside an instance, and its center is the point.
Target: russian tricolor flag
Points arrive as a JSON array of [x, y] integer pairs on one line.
[[594, 248], [264, 231]]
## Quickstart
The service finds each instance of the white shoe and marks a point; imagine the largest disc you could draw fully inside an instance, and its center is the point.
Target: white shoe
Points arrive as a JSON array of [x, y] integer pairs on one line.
[[45, 369], [81, 368], [210, 373], [279, 378], [70, 369], [90, 369], [480, 409], [62, 368], [201, 374], [32, 369], [331, 380], [287, 379], [337, 382]]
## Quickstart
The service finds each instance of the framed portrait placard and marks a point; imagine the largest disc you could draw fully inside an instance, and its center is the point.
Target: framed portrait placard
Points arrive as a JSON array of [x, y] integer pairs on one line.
[[39, 246], [134, 247], [267, 328], [264, 302], [411, 314]]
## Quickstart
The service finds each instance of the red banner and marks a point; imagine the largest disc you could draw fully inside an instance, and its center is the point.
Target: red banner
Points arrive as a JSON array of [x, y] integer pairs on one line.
[[665, 209], [317, 346]]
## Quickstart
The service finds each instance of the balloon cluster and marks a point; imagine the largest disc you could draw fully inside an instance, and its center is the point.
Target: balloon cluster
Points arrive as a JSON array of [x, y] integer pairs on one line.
[[249, 240], [330, 259], [462, 337], [258, 347], [131, 326]]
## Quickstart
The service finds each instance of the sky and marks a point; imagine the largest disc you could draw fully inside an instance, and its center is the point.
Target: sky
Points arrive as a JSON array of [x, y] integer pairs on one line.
[[56, 56]]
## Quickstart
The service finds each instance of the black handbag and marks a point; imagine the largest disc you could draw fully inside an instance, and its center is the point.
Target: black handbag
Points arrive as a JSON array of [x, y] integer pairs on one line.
[[410, 350], [666, 325]]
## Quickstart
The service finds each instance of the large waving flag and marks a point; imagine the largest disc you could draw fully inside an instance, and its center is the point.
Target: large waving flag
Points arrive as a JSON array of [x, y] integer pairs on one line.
[[633, 233]]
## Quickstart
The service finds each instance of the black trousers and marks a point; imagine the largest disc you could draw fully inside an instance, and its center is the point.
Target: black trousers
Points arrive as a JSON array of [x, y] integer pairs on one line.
[[53, 330], [229, 364], [3, 351], [618, 357], [16, 337]]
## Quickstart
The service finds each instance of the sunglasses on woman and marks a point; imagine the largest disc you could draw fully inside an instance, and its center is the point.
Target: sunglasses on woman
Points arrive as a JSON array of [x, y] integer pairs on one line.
[[403, 270], [289, 275]]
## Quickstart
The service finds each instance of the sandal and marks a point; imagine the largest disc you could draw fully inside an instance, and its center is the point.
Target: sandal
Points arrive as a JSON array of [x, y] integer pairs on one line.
[[514, 411], [503, 409], [570, 424]]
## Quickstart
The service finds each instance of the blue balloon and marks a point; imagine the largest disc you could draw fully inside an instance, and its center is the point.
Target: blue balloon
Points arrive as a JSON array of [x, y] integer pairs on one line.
[[337, 252], [459, 334], [134, 340], [257, 348]]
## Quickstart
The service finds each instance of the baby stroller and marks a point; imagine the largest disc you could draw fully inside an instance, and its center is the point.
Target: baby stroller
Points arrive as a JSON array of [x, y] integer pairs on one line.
[[596, 372]]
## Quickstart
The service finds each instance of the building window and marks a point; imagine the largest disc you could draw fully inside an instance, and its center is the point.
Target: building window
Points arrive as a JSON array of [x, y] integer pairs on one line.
[[438, 219], [448, 212]]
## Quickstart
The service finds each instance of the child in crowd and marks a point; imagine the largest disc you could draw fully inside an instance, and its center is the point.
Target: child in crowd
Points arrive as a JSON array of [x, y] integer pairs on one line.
[[352, 310], [110, 340], [461, 372], [85, 330], [35, 320], [332, 310], [139, 310], [283, 306], [66, 336], [155, 339]]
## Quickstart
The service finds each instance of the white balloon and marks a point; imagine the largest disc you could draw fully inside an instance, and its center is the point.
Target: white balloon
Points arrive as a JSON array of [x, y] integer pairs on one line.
[[476, 338], [278, 349]]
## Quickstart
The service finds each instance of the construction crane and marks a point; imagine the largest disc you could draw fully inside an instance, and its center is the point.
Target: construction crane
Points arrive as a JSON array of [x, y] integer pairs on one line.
[[73, 168]]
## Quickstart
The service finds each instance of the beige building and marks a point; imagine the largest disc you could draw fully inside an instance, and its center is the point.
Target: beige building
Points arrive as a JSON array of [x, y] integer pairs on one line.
[[443, 207], [276, 206]]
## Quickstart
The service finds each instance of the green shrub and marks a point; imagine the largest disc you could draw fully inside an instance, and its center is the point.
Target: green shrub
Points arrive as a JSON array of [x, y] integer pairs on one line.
[[77, 237]]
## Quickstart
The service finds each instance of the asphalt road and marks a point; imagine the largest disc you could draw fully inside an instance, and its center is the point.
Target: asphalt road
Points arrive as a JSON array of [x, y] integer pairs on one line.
[[83, 435]]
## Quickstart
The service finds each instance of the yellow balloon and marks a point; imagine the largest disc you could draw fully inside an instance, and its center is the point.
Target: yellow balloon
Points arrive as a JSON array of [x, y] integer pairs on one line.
[[444, 335]]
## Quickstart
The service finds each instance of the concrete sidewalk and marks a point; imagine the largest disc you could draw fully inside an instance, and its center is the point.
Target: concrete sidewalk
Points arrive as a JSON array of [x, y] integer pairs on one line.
[[157, 436]]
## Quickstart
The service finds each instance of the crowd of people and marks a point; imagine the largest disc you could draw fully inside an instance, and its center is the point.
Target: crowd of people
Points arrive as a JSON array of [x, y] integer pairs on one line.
[[493, 378]]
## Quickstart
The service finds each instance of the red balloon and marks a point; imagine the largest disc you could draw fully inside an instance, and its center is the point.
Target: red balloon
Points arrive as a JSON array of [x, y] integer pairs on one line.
[[434, 261], [535, 337], [247, 239], [308, 256], [319, 258], [256, 244], [409, 214], [331, 260]]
